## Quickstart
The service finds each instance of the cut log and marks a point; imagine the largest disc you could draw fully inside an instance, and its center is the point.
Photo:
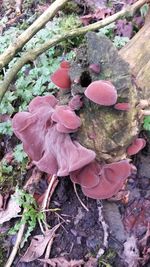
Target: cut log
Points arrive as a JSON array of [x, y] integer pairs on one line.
[[105, 130]]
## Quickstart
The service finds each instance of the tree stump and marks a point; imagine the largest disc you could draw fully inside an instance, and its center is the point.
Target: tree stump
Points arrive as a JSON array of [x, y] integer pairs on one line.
[[137, 54], [105, 130]]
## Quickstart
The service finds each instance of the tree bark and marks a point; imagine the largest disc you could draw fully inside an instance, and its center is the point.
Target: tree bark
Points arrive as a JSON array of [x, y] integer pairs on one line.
[[137, 54]]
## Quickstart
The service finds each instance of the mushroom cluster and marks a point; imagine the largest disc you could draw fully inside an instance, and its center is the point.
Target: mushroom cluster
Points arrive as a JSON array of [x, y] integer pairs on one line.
[[45, 132]]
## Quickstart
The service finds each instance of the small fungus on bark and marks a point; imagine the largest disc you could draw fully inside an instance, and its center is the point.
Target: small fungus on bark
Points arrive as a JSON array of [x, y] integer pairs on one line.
[[95, 68], [102, 93], [137, 145], [75, 103], [61, 76], [122, 106]]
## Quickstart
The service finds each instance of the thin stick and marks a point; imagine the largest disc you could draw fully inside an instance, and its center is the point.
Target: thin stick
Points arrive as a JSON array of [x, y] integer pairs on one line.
[[44, 203], [31, 55], [83, 205], [48, 250], [16, 246], [105, 230]]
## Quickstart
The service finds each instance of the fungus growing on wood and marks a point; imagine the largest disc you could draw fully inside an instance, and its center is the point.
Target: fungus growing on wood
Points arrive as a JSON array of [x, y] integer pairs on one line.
[[102, 93], [67, 117], [122, 106], [111, 179], [75, 103], [51, 151], [95, 68], [137, 145], [61, 76], [88, 176]]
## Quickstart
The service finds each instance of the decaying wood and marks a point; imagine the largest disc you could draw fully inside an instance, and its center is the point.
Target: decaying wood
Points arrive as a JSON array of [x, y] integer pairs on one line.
[[137, 54], [105, 130], [34, 53]]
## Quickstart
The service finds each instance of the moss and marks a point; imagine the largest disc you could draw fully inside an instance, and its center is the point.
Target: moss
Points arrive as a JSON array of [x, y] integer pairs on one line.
[[10, 176], [107, 260]]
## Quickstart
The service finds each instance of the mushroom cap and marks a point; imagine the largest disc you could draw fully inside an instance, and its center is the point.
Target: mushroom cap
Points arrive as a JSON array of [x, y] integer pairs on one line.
[[137, 145], [95, 67], [75, 103], [67, 117], [88, 176], [40, 101], [102, 93], [51, 151], [61, 78], [122, 106], [62, 129], [65, 64], [111, 180]]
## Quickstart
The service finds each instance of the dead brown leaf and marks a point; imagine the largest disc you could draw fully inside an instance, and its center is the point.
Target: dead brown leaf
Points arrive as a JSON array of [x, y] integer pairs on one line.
[[92, 262], [38, 245], [62, 262], [12, 210], [131, 252], [33, 181], [19, 6]]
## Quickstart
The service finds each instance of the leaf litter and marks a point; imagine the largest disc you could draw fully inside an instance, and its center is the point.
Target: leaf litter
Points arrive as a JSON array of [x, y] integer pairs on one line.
[[38, 245]]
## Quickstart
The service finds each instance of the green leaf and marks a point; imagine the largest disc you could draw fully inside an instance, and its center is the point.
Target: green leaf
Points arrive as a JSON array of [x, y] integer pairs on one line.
[[146, 124], [120, 41], [19, 154], [144, 10], [6, 128]]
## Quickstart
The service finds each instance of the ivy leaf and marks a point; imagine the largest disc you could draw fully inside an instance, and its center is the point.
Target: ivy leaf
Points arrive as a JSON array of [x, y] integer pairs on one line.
[[146, 124]]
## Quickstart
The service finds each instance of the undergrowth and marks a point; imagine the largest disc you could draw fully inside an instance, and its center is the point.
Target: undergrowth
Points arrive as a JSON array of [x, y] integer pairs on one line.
[[34, 79], [30, 216]]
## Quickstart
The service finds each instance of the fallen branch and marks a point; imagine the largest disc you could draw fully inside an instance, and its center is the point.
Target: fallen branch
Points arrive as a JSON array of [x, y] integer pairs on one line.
[[31, 55], [16, 246], [105, 227], [10, 52]]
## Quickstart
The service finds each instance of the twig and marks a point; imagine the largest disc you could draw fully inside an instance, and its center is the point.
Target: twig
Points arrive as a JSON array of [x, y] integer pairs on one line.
[[16, 246], [9, 53], [83, 205], [31, 55], [52, 181], [48, 250], [105, 230]]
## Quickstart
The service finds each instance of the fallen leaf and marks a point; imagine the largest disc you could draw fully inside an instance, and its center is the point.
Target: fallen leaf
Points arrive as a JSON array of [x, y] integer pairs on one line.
[[137, 217], [131, 252], [32, 183], [38, 245], [144, 246], [62, 262], [12, 210], [92, 262], [19, 6]]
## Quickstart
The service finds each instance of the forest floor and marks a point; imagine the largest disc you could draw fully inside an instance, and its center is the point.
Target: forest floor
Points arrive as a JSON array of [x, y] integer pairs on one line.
[[119, 226]]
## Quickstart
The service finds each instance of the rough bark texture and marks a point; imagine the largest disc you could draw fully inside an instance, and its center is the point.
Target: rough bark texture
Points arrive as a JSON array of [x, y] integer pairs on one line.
[[137, 54], [105, 130]]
